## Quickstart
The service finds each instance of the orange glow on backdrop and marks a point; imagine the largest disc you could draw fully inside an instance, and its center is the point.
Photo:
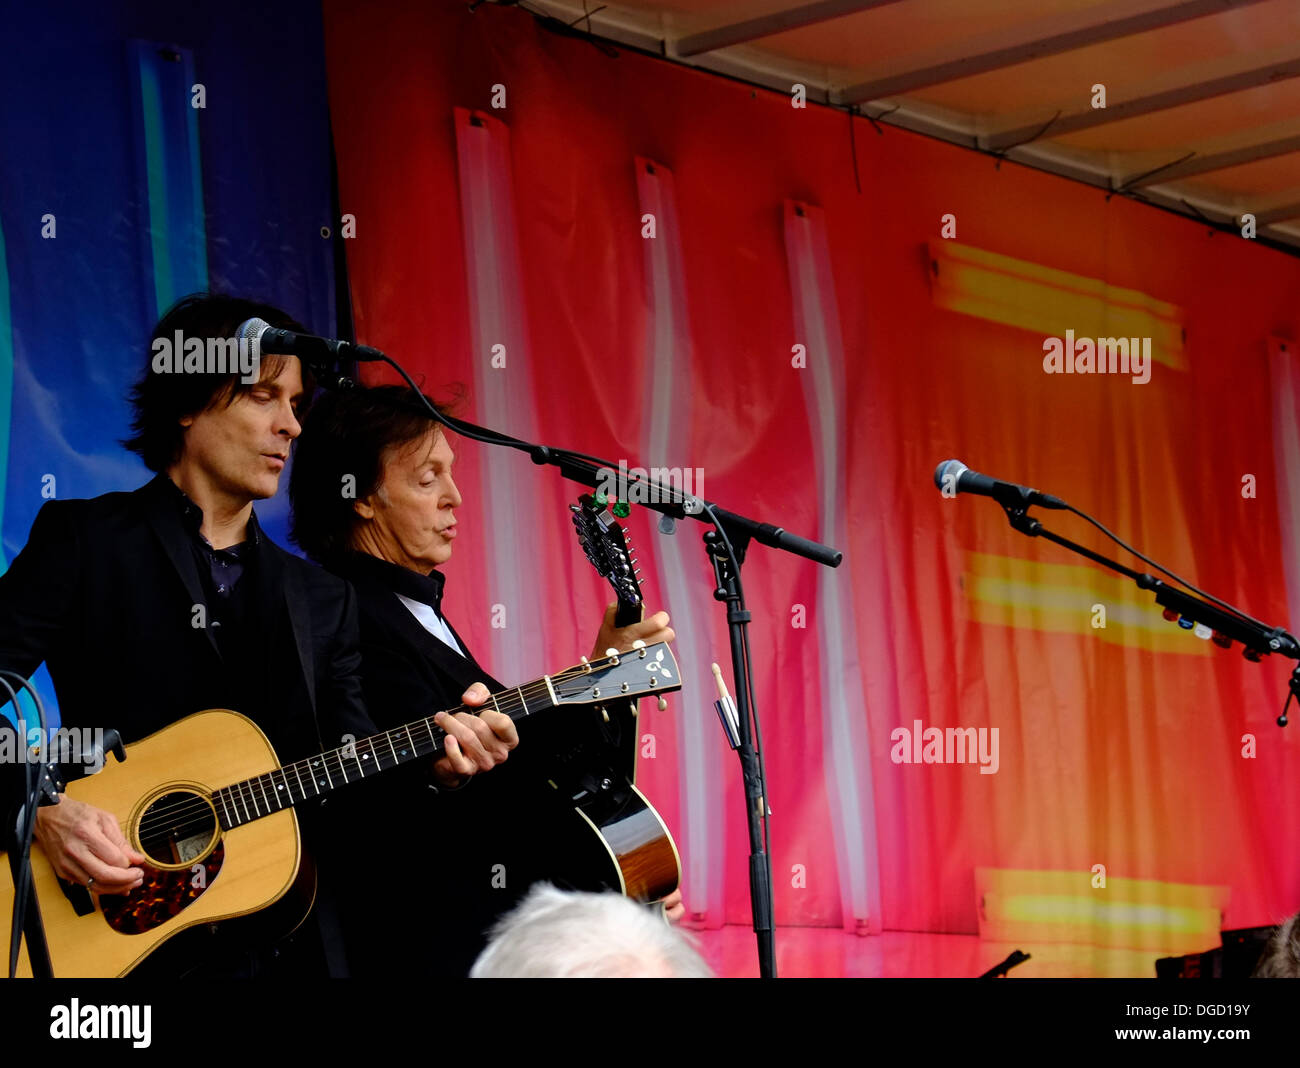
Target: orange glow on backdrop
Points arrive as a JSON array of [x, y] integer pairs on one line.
[[1120, 746]]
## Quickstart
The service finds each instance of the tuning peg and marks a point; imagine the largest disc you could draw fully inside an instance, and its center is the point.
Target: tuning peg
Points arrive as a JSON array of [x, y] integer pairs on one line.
[[639, 644], [663, 704]]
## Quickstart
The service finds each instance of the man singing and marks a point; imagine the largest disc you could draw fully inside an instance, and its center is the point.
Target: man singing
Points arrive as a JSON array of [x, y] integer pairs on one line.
[[152, 605], [388, 537]]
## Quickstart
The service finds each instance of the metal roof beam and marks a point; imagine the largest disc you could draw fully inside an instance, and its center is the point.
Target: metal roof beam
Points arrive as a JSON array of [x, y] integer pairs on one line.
[[1043, 37], [734, 33], [1288, 209], [1188, 92], [1217, 161]]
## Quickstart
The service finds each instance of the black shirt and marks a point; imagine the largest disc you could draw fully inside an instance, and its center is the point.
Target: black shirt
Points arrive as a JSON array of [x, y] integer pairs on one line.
[[219, 569], [229, 580]]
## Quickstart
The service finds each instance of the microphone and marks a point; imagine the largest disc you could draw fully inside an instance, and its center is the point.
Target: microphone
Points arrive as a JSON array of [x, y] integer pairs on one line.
[[953, 477], [309, 349]]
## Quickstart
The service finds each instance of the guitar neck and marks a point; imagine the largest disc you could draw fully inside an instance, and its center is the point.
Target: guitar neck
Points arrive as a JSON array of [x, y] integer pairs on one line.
[[251, 799], [628, 613]]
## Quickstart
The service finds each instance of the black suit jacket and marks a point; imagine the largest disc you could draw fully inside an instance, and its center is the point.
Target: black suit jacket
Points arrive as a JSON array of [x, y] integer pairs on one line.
[[105, 593], [458, 859], [404, 667]]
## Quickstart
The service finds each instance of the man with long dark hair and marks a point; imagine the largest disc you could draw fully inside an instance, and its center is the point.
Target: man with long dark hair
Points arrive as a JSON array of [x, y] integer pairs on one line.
[[152, 605]]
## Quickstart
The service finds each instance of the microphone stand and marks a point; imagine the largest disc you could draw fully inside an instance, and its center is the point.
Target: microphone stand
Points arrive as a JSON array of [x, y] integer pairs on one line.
[[1258, 639], [726, 545], [999, 971], [39, 790]]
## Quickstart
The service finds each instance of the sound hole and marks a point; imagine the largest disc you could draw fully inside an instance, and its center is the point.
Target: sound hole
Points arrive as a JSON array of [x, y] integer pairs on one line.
[[178, 829]]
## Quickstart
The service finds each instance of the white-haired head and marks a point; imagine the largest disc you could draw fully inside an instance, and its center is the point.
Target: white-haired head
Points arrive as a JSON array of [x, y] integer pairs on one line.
[[564, 934]]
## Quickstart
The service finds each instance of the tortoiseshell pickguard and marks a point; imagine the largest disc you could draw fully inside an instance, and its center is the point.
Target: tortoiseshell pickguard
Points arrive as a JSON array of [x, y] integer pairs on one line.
[[161, 896]]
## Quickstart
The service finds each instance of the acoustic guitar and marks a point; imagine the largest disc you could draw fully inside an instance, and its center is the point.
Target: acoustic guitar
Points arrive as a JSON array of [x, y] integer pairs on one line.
[[206, 800]]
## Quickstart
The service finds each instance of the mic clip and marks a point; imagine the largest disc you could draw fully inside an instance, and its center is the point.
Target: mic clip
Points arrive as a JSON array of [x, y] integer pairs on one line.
[[1020, 519]]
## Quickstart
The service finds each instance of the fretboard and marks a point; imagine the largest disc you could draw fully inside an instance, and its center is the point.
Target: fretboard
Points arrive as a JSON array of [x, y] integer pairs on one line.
[[243, 802]]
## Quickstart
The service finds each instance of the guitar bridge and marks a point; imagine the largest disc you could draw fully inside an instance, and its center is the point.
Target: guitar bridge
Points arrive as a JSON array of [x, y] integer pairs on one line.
[[78, 897]]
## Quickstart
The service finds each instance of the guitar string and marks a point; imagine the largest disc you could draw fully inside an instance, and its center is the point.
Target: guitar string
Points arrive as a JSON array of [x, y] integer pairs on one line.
[[197, 813], [334, 759], [333, 764], [196, 810]]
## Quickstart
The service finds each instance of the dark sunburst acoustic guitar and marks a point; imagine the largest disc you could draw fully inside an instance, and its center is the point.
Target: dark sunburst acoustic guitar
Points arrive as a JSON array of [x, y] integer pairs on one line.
[[208, 803], [611, 763]]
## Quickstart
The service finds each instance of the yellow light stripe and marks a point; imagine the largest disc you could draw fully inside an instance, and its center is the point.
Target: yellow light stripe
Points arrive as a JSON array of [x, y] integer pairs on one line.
[[1058, 599], [1098, 911], [1064, 906], [1047, 301], [1076, 883]]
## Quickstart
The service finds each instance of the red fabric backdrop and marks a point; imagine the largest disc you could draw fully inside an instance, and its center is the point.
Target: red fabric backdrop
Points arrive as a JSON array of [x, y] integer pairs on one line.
[[1110, 752]]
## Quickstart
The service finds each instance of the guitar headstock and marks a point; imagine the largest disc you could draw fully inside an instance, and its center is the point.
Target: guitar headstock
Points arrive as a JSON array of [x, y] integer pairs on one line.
[[652, 669], [610, 552]]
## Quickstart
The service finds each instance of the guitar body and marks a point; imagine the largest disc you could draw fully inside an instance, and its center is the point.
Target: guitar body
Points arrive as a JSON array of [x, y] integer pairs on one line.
[[642, 860], [208, 803], [198, 872]]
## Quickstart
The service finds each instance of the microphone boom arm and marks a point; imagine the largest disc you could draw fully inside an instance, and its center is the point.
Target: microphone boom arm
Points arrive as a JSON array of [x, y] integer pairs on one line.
[[1257, 640]]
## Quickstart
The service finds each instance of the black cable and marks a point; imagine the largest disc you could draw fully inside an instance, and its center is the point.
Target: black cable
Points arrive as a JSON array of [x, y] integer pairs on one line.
[[23, 837], [853, 149], [452, 423], [1147, 560], [758, 741]]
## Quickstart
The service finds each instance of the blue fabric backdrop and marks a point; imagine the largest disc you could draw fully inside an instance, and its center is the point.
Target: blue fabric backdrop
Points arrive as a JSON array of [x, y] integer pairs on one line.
[[118, 193]]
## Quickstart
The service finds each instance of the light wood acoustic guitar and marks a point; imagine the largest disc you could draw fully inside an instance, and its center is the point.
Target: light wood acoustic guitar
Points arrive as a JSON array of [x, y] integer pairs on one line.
[[208, 803]]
